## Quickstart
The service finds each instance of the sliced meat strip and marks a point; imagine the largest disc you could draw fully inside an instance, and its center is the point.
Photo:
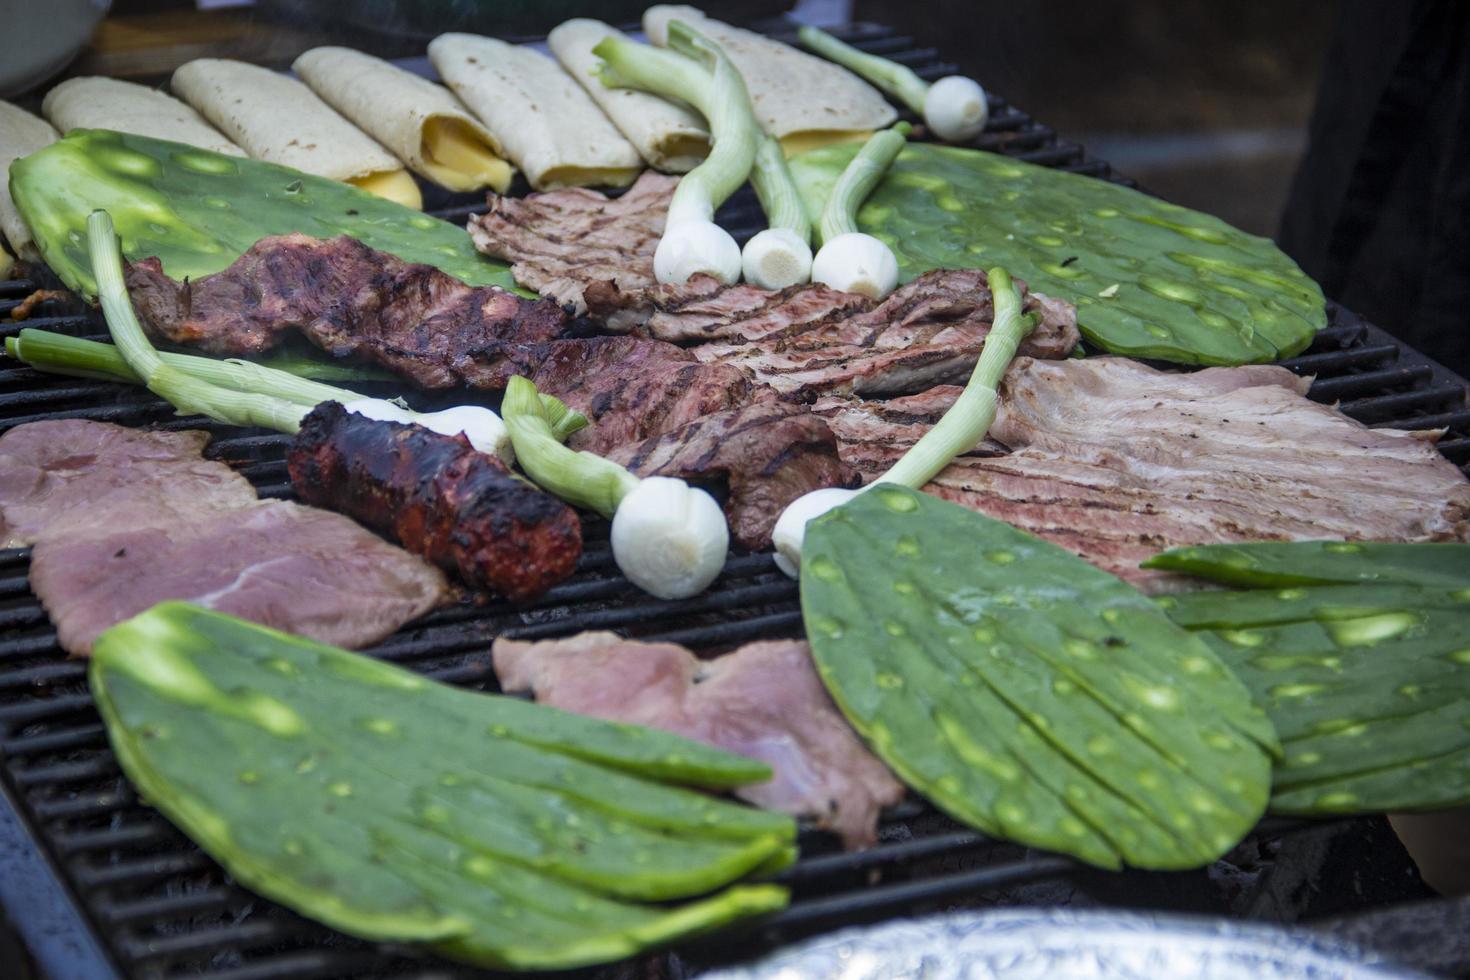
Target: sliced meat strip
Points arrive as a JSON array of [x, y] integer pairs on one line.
[[558, 241], [929, 332], [705, 309], [69, 476], [759, 458], [349, 300], [293, 568], [1117, 461], [764, 701]]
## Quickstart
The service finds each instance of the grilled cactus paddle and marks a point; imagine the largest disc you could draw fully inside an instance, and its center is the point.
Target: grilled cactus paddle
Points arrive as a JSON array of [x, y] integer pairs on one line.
[[395, 808], [1368, 684], [1026, 692], [198, 211], [1149, 279]]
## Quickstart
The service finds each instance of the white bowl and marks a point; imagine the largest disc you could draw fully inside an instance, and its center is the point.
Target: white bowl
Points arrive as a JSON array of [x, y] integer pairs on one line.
[[41, 37]]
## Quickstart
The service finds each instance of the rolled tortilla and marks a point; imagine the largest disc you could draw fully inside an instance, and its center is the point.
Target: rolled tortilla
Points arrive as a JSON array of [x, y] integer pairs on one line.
[[668, 136], [550, 127], [278, 119], [21, 134], [423, 123], [802, 100], [106, 103]]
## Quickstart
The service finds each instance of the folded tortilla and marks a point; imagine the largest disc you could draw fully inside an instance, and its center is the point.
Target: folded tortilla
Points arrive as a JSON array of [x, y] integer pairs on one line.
[[423, 123], [670, 137], [106, 103], [278, 119], [21, 134], [802, 100], [547, 123]]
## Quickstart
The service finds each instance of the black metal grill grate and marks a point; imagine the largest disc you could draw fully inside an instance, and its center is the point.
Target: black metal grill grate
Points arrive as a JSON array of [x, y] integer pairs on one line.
[[100, 885]]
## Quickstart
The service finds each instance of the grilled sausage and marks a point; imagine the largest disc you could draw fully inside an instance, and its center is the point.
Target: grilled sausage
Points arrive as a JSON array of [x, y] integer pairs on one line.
[[439, 498]]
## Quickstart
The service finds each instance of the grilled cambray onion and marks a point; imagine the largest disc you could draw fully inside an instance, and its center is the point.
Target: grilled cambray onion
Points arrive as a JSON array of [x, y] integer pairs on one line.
[[442, 499], [851, 260], [669, 538], [958, 431], [692, 243], [954, 108]]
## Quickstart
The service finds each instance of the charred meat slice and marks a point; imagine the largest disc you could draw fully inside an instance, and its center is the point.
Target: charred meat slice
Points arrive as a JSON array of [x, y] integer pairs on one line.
[[349, 300], [926, 333], [764, 700], [558, 241], [705, 309], [759, 458], [439, 498]]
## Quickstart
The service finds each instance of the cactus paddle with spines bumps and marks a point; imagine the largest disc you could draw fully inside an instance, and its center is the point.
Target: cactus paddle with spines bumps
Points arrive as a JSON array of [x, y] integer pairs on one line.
[[395, 808], [1149, 279], [199, 211], [1368, 684], [1026, 692]]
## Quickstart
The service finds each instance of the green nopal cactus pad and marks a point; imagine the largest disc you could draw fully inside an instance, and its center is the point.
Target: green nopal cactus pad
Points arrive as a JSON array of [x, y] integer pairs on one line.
[[1026, 692], [1149, 279], [198, 211], [395, 808]]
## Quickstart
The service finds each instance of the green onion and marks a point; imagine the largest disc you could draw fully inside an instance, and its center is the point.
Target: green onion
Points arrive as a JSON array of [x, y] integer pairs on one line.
[[582, 479], [850, 260], [954, 108]]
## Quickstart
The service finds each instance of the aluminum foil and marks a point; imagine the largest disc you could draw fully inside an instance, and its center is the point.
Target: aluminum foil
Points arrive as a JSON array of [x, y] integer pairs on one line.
[[1060, 944]]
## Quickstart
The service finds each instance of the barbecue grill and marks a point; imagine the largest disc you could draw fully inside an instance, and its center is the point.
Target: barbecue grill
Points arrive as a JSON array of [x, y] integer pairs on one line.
[[98, 885]]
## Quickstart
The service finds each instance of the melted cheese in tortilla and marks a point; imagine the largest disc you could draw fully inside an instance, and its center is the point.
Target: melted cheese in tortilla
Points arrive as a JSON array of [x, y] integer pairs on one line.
[[396, 185], [589, 177], [456, 157], [814, 139]]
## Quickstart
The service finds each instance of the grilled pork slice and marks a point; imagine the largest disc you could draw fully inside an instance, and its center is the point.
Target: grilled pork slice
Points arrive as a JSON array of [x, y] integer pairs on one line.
[[558, 241], [349, 300], [1116, 461], [764, 701], [71, 476], [439, 498], [276, 563], [928, 332], [704, 309], [758, 458]]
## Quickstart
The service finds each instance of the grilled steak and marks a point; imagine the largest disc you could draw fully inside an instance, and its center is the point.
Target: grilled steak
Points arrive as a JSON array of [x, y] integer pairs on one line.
[[928, 332], [759, 458], [349, 300], [461, 509], [705, 309], [122, 519], [71, 477], [558, 241], [276, 563], [1116, 461], [764, 701]]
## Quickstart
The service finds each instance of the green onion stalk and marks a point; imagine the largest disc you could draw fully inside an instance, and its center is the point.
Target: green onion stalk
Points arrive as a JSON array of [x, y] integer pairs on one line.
[[851, 260], [954, 108], [668, 538], [232, 391], [692, 243], [958, 431]]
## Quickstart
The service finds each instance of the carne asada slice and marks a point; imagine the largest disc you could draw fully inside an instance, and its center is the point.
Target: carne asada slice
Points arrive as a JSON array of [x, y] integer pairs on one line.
[[757, 458], [70, 476], [439, 498], [928, 332], [1116, 461], [277, 563], [349, 300], [764, 700], [558, 241], [704, 308]]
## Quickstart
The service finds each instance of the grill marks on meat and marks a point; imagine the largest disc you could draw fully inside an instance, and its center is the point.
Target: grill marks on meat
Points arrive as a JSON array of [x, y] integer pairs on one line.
[[764, 700], [558, 241], [766, 454], [349, 300], [461, 509], [927, 332], [1116, 461], [122, 519], [704, 309]]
